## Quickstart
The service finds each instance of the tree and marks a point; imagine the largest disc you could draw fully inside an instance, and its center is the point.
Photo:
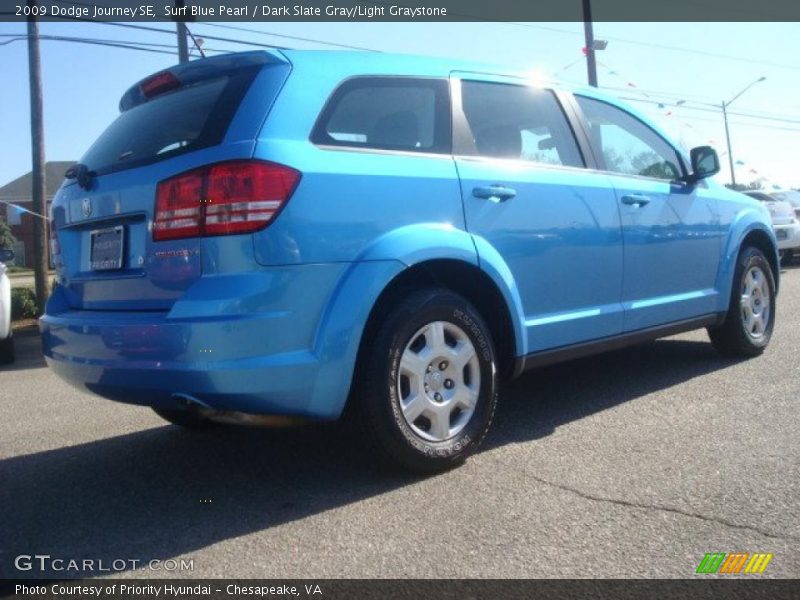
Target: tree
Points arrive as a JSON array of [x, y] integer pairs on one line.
[[7, 239]]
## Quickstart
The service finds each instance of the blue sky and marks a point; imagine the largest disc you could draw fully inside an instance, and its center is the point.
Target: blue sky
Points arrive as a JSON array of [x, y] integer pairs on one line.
[[700, 63]]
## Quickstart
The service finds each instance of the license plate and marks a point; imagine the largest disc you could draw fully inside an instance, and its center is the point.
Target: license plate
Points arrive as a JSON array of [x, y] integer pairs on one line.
[[107, 248], [781, 234]]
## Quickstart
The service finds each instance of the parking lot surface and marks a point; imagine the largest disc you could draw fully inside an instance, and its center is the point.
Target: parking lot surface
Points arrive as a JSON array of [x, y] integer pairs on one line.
[[629, 464]]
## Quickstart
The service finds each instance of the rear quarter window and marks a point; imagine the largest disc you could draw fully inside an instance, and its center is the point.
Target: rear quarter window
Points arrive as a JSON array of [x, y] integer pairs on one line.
[[387, 113]]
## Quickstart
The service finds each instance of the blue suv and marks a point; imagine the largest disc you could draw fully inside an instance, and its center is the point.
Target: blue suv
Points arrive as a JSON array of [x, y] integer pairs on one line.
[[293, 234]]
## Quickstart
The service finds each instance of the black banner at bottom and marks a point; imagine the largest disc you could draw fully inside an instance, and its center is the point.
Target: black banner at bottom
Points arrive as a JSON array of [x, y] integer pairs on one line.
[[434, 589]]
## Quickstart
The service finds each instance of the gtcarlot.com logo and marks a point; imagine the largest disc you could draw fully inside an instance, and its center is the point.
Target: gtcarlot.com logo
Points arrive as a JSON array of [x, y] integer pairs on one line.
[[47, 563]]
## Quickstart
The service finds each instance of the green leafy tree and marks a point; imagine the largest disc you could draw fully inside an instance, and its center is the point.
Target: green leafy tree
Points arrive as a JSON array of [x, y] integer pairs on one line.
[[7, 239]]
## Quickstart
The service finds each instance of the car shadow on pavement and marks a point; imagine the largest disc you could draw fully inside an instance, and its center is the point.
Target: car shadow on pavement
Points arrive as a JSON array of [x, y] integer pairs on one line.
[[164, 492], [534, 405], [28, 350]]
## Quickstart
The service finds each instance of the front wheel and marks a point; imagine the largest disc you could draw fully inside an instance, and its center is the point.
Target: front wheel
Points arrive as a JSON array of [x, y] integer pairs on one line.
[[427, 387], [750, 319]]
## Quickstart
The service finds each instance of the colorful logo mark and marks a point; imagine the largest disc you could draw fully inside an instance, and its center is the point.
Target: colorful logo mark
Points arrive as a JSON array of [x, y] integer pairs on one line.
[[734, 562]]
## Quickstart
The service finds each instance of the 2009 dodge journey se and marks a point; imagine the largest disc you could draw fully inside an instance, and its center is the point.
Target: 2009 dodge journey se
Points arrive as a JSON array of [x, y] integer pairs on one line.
[[294, 233]]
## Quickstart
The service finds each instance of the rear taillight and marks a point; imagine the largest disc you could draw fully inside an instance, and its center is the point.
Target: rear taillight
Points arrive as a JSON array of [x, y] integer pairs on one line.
[[222, 199]]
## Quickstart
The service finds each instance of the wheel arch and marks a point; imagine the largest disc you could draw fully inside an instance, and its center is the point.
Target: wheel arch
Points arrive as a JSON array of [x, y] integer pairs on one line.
[[748, 231], [760, 239], [404, 258], [467, 280]]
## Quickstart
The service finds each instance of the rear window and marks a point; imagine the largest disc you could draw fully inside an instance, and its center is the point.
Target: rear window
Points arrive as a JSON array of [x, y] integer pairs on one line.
[[387, 113], [192, 117]]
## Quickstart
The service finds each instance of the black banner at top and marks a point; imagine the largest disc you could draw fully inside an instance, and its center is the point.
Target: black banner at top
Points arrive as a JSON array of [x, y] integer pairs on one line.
[[401, 10]]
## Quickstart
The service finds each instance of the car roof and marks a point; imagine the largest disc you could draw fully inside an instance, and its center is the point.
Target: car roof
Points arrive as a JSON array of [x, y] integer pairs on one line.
[[349, 63]]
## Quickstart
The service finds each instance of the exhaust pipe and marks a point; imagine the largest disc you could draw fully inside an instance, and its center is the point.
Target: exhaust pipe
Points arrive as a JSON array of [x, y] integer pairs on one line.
[[232, 417]]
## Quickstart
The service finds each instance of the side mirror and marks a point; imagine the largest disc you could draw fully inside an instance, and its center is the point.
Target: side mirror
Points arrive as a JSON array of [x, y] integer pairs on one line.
[[6, 255], [705, 163]]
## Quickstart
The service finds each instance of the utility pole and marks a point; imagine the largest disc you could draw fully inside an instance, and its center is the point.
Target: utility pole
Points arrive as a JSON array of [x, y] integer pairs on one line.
[[591, 63], [728, 141], [180, 25], [40, 259], [725, 106]]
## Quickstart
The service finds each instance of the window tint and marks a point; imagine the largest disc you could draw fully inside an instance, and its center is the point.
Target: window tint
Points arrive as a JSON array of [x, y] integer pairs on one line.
[[190, 118], [389, 113], [518, 122], [627, 145]]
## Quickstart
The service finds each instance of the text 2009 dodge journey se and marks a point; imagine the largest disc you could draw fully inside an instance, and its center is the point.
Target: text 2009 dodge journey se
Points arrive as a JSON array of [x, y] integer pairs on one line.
[[292, 233]]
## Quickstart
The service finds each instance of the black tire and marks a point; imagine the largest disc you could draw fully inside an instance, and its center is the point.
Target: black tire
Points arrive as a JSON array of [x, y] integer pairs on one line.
[[184, 418], [379, 388], [7, 355], [732, 338], [787, 257]]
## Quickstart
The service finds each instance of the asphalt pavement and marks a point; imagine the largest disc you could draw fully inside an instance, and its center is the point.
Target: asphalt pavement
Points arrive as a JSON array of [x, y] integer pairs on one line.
[[629, 464]]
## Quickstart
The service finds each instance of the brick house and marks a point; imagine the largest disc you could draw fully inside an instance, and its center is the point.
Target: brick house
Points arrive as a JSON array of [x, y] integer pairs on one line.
[[18, 192]]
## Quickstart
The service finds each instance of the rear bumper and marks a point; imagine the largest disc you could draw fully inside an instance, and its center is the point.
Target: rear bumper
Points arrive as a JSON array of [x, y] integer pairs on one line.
[[84, 355], [243, 343]]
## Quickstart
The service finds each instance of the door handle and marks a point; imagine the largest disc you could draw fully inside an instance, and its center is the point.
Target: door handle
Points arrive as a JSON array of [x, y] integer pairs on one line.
[[495, 193], [635, 199]]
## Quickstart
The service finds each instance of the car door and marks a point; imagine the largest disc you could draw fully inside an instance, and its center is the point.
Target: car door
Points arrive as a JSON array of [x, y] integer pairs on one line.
[[670, 228], [528, 196]]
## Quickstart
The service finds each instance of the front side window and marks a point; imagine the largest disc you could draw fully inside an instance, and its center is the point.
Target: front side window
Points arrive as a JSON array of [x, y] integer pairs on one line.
[[518, 122], [627, 145], [388, 113]]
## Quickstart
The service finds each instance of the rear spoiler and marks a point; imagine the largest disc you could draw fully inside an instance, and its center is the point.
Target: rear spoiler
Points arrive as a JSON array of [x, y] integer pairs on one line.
[[197, 70]]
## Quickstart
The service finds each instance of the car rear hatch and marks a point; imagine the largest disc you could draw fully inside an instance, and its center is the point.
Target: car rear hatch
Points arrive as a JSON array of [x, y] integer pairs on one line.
[[106, 250]]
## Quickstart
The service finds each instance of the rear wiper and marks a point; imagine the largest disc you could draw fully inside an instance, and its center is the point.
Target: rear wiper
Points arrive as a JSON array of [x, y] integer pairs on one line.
[[82, 173]]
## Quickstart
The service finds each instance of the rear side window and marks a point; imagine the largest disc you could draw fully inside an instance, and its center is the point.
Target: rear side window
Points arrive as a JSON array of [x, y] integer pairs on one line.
[[387, 113], [518, 122], [627, 145], [187, 119]]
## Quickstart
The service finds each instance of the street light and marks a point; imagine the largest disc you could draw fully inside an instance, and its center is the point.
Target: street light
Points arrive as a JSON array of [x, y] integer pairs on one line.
[[725, 106]]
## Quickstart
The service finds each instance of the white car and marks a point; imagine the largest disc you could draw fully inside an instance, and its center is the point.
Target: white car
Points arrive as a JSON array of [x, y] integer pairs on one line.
[[6, 341], [790, 196], [784, 222]]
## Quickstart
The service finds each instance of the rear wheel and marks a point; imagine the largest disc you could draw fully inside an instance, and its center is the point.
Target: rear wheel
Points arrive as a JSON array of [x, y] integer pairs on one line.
[[183, 418], [7, 350], [426, 393], [750, 320]]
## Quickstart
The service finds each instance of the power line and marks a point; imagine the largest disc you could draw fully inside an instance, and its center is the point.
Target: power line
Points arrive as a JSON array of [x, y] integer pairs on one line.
[[54, 38], [713, 106], [172, 33], [127, 44], [660, 46], [712, 110], [289, 37], [710, 120]]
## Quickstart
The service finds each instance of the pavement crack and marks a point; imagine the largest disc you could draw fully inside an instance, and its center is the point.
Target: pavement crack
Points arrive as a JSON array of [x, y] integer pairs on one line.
[[662, 508]]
